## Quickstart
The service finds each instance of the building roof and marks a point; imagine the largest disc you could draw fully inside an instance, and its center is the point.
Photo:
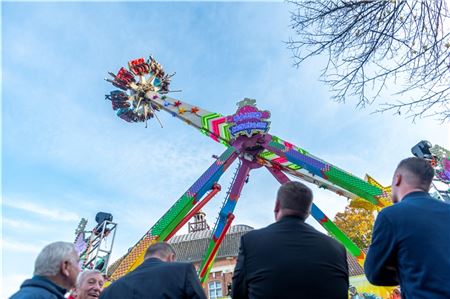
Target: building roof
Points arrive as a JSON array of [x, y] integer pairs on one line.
[[192, 247], [354, 268]]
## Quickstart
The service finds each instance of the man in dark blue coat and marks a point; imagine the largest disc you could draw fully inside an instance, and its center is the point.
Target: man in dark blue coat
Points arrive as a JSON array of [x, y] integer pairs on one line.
[[157, 277], [411, 239], [55, 271], [289, 259]]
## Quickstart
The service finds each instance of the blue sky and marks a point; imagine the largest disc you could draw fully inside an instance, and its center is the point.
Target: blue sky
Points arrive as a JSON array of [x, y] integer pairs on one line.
[[65, 155]]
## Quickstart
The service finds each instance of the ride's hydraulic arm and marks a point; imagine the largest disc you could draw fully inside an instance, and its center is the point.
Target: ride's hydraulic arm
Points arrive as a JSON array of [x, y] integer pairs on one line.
[[226, 216]]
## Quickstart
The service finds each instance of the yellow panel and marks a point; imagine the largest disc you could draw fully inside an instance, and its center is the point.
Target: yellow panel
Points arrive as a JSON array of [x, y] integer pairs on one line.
[[132, 259]]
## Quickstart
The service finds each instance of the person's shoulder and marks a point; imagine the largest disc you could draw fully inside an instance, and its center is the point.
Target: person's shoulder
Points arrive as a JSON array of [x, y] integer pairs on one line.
[[33, 292], [120, 282], [331, 241], [118, 286], [256, 233], [391, 212], [173, 267]]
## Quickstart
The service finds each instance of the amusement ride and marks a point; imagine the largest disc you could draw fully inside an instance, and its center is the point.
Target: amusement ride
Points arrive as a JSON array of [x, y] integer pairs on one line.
[[143, 91]]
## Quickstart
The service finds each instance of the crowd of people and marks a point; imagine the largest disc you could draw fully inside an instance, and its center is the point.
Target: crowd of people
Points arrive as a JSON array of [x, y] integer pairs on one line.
[[287, 259]]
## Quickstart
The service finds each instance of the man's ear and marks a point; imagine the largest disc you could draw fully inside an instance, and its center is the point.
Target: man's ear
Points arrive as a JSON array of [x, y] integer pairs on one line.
[[64, 268], [397, 179], [171, 258], [277, 206]]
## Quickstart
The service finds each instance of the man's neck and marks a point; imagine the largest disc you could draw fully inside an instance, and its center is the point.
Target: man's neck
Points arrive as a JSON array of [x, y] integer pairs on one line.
[[156, 257], [289, 213]]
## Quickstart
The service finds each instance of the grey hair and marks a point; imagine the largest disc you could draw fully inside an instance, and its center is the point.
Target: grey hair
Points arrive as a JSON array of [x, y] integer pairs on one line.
[[82, 276], [48, 262]]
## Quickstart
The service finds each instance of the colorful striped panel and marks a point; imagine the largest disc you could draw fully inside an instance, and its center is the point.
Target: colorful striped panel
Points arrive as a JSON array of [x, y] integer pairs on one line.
[[279, 160], [215, 126]]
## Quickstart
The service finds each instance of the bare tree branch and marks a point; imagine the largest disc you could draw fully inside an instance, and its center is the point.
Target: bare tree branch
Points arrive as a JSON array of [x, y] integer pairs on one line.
[[373, 45]]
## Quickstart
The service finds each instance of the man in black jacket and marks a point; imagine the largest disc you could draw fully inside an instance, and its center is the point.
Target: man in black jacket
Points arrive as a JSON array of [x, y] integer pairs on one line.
[[157, 277], [289, 258]]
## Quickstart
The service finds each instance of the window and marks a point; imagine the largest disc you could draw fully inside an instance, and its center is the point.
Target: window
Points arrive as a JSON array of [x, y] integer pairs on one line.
[[215, 289]]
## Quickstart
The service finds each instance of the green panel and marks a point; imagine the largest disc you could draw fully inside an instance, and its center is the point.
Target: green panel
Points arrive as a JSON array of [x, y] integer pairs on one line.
[[294, 166], [183, 203], [169, 228], [353, 184], [205, 277], [225, 132], [207, 254], [341, 237], [276, 139], [267, 155], [206, 118]]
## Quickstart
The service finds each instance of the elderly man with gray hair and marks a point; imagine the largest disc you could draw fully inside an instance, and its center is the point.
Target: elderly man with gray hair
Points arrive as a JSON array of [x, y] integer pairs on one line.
[[89, 284], [55, 271]]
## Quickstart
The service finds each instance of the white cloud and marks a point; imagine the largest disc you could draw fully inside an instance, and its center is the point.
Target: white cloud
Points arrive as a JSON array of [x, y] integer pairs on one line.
[[23, 225], [34, 208], [16, 246]]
